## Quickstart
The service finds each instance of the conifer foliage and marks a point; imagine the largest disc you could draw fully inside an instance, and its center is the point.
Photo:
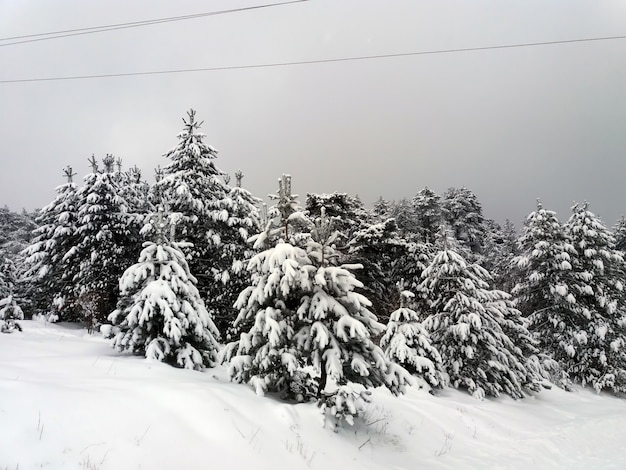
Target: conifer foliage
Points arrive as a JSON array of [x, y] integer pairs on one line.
[[407, 343], [311, 334], [468, 323], [596, 350], [160, 313]]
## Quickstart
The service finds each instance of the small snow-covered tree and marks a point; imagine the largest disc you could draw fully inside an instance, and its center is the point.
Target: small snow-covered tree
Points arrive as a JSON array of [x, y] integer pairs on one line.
[[468, 323], [265, 354], [596, 349], [339, 330], [310, 334], [407, 343], [9, 312], [160, 313]]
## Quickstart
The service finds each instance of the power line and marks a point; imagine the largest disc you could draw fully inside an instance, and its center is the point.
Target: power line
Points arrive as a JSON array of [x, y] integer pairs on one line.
[[113, 27], [310, 62]]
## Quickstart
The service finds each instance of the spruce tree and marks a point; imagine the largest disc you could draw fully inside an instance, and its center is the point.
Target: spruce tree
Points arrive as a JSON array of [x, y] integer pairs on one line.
[[428, 215], [596, 350], [242, 220], [160, 313], [310, 334], [544, 289], [105, 232], [468, 323], [407, 343], [463, 213], [265, 354], [50, 271], [193, 186], [9, 313]]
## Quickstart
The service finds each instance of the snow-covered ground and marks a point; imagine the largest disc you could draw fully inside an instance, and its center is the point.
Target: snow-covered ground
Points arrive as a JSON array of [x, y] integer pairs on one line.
[[68, 401]]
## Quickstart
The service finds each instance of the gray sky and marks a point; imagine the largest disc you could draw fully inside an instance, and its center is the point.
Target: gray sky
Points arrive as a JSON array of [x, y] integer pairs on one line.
[[510, 124]]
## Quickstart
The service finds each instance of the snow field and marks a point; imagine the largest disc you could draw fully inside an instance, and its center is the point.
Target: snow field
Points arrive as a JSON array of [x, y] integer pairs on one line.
[[69, 401]]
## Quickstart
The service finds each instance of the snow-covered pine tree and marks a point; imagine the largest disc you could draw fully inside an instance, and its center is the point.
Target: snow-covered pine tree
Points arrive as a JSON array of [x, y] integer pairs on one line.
[[407, 343], [619, 232], [346, 212], [381, 210], [544, 285], [242, 220], [463, 213], [265, 354], [596, 349], [9, 313], [338, 331], [160, 313], [105, 232], [193, 186], [468, 323], [428, 215], [384, 255], [308, 333], [49, 271]]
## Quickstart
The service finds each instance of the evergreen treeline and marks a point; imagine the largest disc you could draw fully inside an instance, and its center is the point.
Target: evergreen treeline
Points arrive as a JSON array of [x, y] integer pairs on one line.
[[325, 301]]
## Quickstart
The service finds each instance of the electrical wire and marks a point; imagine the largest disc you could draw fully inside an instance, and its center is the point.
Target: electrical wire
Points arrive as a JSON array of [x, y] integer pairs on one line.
[[310, 62], [113, 27]]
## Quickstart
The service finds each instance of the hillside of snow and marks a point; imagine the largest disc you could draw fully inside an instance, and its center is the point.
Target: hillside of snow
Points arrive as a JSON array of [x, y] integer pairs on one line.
[[68, 401]]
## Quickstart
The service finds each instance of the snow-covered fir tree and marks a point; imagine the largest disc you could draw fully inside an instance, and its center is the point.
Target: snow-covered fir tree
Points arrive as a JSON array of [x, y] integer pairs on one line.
[[311, 335], [265, 354], [595, 351], [339, 330], [619, 232], [407, 343], [544, 289], [160, 313], [468, 322], [463, 213], [193, 186], [10, 311], [381, 210], [241, 220], [50, 272], [106, 234], [384, 255], [428, 215], [346, 212]]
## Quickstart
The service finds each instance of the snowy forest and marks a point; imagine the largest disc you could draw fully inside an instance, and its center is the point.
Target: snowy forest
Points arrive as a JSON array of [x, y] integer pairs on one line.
[[323, 299]]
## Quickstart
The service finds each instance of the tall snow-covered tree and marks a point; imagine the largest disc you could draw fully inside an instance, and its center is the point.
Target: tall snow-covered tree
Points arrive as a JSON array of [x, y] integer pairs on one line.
[[104, 232], [463, 212], [49, 271], [160, 312], [242, 220], [193, 186], [543, 291], [468, 323], [407, 343], [428, 215], [595, 352]]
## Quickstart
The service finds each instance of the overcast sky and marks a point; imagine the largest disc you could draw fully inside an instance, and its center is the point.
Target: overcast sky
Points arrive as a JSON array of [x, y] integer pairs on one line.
[[511, 124]]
